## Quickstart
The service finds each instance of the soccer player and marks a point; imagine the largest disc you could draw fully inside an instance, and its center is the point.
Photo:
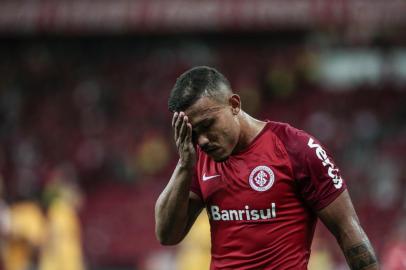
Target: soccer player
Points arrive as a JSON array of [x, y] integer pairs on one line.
[[263, 183]]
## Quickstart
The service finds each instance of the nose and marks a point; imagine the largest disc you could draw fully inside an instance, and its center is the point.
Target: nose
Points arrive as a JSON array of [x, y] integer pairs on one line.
[[202, 141]]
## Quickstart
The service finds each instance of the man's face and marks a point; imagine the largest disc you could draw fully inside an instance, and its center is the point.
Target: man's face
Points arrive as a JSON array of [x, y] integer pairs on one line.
[[215, 127]]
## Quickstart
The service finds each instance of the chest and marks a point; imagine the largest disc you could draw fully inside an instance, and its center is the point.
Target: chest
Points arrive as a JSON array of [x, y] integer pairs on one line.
[[256, 179]]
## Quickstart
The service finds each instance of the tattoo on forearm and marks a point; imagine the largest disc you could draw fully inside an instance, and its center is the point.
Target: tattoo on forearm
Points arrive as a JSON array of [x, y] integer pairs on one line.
[[361, 256]]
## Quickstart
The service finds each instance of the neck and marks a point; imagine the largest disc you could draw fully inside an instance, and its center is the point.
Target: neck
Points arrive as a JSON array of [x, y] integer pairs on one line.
[[249, 129]]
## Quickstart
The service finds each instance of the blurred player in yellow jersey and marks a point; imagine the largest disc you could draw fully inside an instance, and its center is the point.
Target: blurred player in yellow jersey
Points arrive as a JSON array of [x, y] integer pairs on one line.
[[194, 252], [45, 238], [62, 249], [25, 236]]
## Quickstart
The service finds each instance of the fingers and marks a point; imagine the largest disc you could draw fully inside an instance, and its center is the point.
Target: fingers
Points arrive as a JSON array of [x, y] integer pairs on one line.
[[175, 116], [180, 123], [177, 124], [183, 128], [188, 137]]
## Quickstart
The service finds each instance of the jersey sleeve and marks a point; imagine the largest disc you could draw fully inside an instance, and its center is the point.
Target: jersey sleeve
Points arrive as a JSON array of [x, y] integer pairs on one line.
[[318, 177]]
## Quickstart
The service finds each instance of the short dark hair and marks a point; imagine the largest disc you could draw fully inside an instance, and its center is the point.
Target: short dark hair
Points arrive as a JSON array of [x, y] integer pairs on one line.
[[193, 84]]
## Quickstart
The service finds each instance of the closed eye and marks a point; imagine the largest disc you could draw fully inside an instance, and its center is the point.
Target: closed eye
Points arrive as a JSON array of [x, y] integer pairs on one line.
[[205, 125], [201, 128]]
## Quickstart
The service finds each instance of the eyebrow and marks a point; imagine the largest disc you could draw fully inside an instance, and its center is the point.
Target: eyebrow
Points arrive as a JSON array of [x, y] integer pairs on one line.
[[206, 118], [212, 109], [201, 122]]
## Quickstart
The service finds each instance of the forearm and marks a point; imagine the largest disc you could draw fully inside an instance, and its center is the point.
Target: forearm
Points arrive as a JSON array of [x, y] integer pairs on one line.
[[171, 208], [357, 249], [342, 221]]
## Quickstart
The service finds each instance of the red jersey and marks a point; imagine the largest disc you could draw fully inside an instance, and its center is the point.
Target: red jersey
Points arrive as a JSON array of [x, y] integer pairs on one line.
[[262, 202]]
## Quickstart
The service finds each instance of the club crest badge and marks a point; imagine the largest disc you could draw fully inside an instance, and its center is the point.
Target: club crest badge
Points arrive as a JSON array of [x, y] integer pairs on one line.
[[261, 178]]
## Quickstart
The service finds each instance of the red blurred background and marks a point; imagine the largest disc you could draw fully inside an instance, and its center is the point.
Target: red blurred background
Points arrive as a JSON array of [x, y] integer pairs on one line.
[[83, 102]]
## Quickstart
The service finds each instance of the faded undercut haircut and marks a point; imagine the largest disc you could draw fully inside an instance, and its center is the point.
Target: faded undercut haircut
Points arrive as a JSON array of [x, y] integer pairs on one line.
[[201, 81]]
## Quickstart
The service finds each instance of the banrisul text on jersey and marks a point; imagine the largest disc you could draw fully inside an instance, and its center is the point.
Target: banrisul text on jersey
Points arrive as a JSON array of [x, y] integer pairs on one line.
[[242, 214]]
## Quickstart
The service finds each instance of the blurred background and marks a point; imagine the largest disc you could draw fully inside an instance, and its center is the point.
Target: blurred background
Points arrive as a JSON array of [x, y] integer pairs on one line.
[[85, 139]]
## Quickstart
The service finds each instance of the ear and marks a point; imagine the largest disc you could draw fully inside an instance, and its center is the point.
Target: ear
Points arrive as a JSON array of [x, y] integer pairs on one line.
[[235, 103]]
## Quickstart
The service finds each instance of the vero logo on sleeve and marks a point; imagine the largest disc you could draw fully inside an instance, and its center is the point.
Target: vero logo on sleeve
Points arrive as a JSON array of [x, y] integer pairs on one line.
[[332, 170]]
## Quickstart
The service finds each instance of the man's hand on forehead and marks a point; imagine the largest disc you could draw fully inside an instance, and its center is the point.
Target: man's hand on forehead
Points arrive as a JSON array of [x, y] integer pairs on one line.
[[178, 117], [183, 138]]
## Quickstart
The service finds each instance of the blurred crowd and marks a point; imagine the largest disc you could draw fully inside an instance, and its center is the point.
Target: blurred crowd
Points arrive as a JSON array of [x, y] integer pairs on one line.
[[86, 145]]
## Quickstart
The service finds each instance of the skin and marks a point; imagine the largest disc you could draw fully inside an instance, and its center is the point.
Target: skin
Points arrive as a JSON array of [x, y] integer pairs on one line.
[[221, 129], [342, 221]]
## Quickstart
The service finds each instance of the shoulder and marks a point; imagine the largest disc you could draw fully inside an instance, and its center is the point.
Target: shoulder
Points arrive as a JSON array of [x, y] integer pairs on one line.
[[293, 139], [305, 151]]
